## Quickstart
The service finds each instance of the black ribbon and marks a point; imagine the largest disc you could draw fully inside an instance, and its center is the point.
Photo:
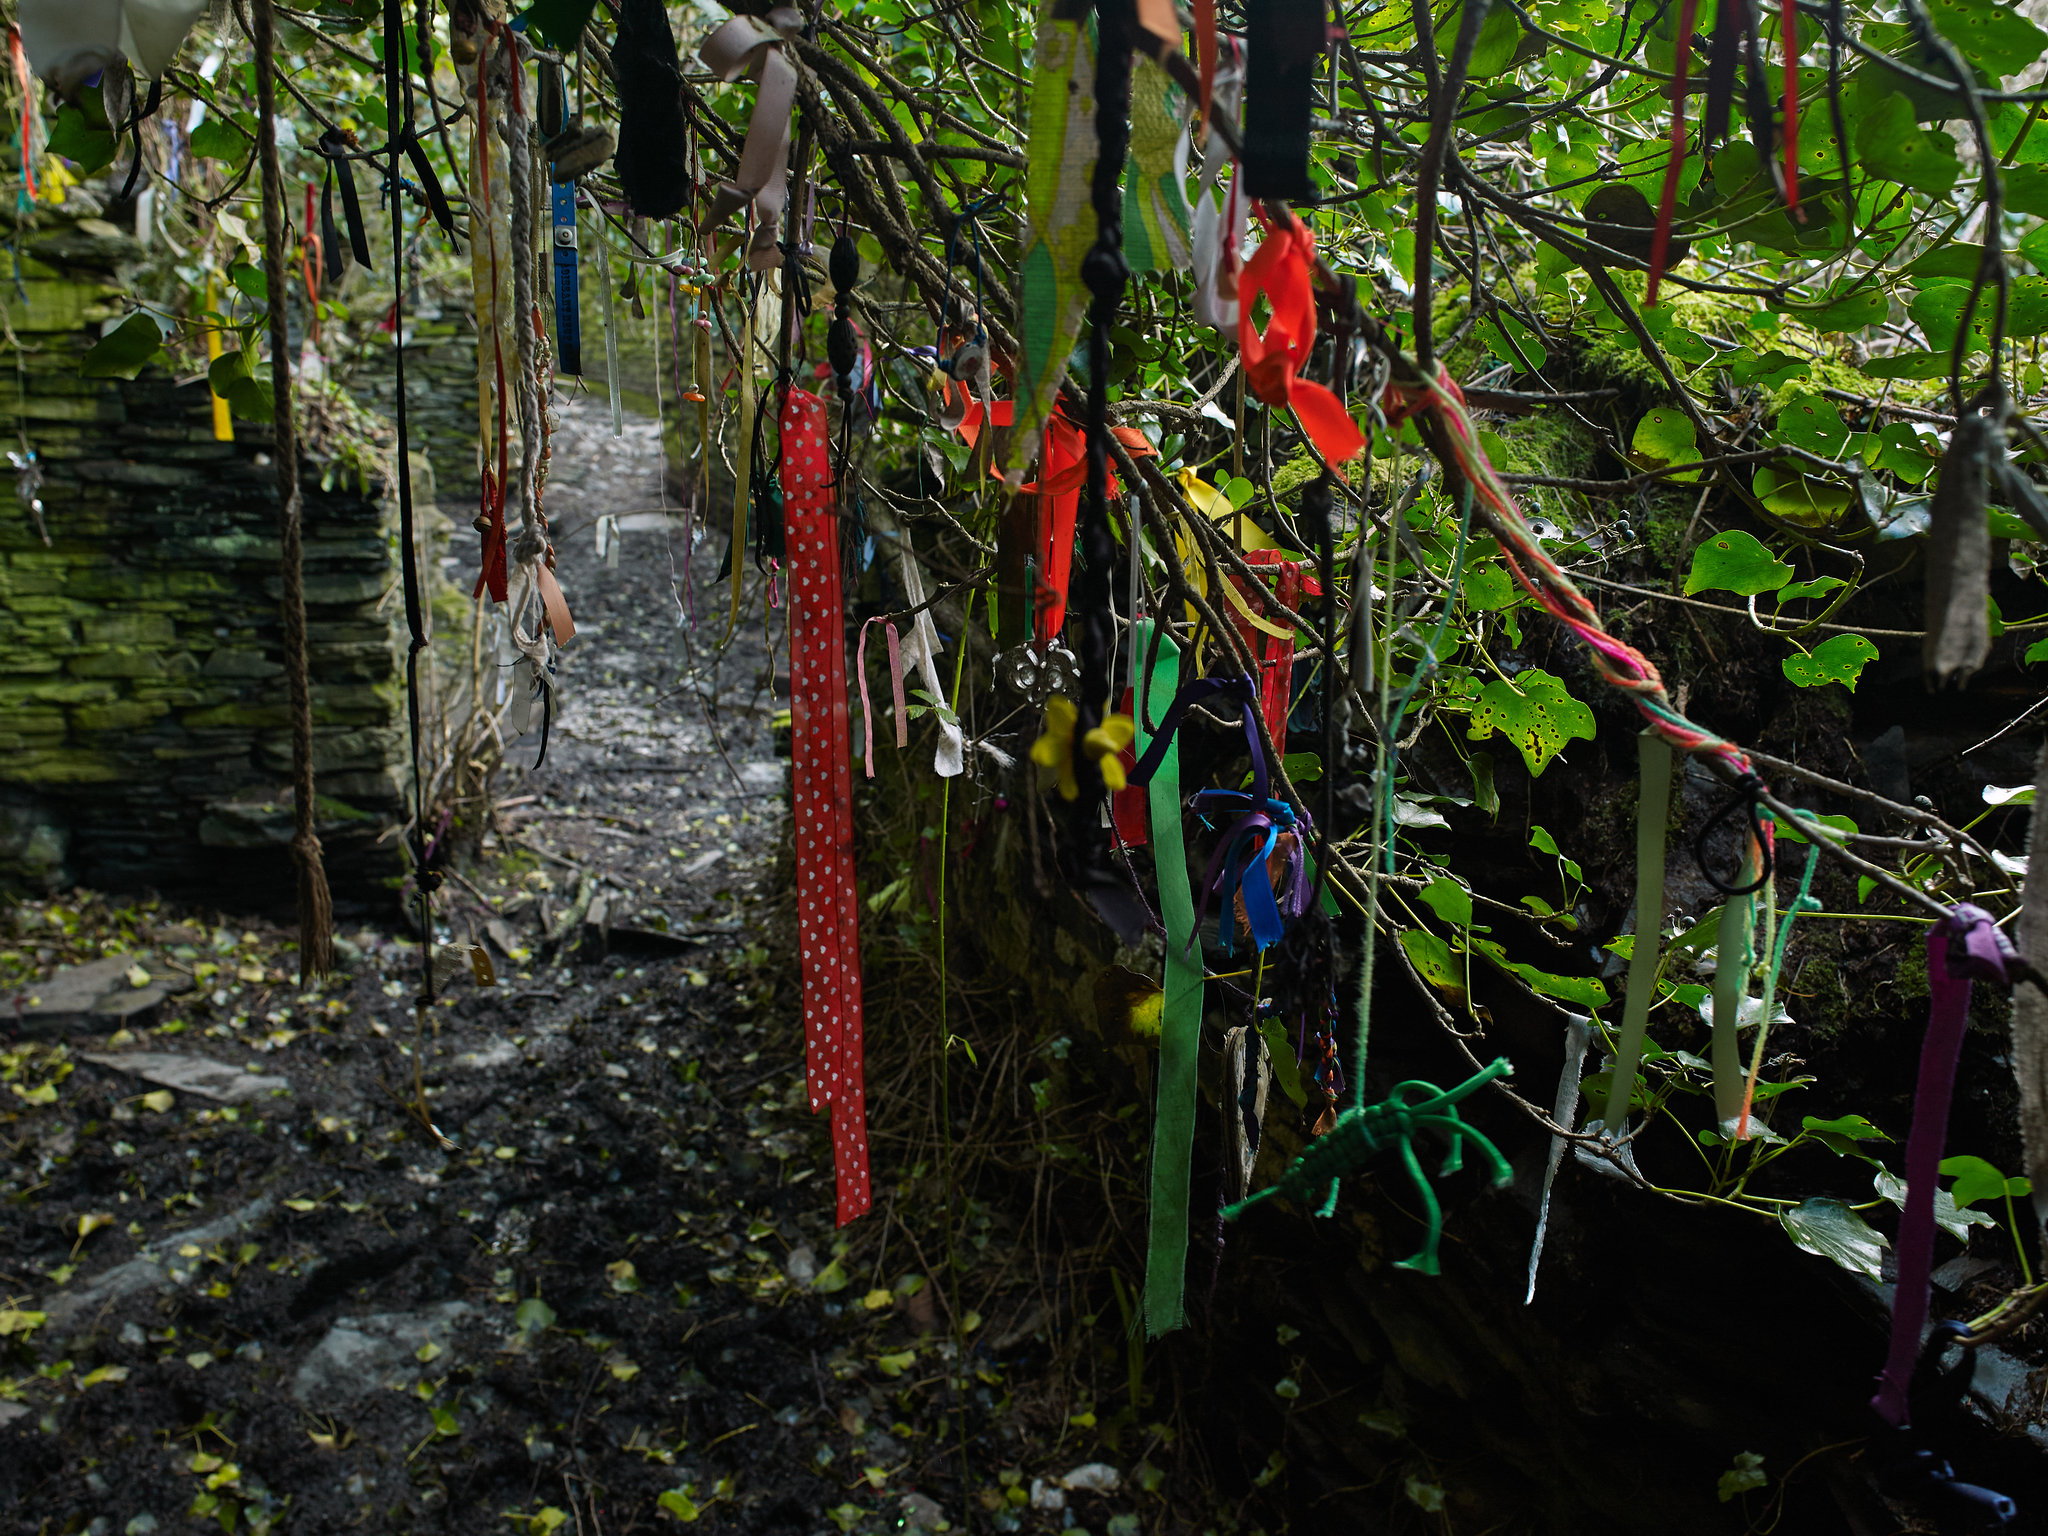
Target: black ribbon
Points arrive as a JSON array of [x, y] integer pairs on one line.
[[333, 147], [1283, 40]]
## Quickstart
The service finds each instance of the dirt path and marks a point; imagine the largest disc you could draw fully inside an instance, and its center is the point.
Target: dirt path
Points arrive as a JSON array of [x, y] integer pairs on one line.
[[613, 1303]]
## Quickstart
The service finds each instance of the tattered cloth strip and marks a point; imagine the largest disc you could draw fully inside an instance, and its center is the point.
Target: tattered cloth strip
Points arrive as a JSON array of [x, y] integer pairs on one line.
[[1219, 234], [1959, 546], [828, 911], [1059, 223], [653, 159], [1963, 947], [1273, 360], [1180, 1027], [1158, 224], [922, 651], [2030, 1005], [747, 46]]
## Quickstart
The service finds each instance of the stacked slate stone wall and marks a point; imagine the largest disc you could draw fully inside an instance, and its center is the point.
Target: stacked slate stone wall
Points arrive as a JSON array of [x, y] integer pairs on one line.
[[143, 735]]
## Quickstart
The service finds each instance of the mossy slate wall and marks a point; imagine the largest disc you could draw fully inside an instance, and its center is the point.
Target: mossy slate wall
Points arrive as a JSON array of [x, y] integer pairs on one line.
[[143, 737]]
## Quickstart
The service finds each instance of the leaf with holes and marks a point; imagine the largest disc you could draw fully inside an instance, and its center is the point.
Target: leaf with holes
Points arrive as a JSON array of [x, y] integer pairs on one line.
[[1813, 423], [1938, 310], [1995, 36], [1432, 960], [1489, 588], [1586, 991], [1838, 659], [1735, 562], [1536, 712]]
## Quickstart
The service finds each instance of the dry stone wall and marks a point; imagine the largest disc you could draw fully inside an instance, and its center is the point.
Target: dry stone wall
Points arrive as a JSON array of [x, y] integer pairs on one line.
[[143, 739]]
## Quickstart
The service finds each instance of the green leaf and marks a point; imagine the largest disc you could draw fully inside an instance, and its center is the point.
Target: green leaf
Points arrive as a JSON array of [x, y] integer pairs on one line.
[[251, 281], [85, 143], [1951, 1218], [1832, 1230], [1449, 901], [1666, 436], [1239, 492], [1484, 794], [2026, 191], [124, 351], [1909, 365], [533, 1316], [1855, 1127], [1808, 500], [1854, 311], [677, 1502], [1938, 310], [1838, 659], [558, 23], [1536, 712], [1812, 422], [1735, 562], [1975, 1180], [1512, 335], [1281, 1056], [1490, 588], [1746, 1475], [1432, 960], [1788, 828], [1494, 49], [222, 138], [2038, 651], [1586, 991], [1995, 37], [1818, 587], [1892, 144]]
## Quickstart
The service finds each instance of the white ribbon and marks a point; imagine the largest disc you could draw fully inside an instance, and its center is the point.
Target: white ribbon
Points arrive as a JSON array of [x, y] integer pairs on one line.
[[1220, 234], [921, 648]]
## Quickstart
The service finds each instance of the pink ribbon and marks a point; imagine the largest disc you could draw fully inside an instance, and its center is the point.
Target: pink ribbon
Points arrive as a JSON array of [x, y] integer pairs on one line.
[[867, 712]]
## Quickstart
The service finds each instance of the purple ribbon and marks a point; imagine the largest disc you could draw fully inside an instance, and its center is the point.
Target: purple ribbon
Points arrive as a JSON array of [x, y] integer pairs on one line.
[[1963, 947]]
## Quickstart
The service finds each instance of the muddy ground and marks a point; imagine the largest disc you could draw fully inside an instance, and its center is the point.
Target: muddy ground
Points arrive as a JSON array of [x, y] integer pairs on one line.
[[612, 1299]]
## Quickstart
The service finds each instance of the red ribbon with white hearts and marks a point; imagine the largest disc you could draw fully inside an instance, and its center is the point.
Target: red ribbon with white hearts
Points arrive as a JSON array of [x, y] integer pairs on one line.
[[821, 781]]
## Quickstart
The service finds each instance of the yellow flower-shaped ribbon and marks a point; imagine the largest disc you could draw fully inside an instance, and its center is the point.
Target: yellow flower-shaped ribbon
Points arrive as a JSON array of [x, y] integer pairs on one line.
[[1055, 749]]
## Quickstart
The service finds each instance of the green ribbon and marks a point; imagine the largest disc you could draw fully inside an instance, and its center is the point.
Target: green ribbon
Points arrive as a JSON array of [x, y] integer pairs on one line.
[[1180, 1032], [1653, 809], [1734, 954]]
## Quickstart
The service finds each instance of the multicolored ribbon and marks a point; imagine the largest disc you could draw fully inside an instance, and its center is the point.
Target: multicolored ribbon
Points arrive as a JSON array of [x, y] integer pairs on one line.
[[828, 906], [1963, 947]]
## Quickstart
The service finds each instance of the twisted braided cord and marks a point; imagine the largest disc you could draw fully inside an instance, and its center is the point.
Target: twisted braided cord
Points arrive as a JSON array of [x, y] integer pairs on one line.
[[1621, 665]]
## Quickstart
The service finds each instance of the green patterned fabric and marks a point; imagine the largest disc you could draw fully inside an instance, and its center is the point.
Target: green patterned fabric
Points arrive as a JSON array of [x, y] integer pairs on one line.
[[1158, 223], [1059, 222]]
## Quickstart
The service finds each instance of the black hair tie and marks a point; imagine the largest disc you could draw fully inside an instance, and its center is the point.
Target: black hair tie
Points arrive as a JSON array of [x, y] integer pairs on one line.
[[1748, 789]]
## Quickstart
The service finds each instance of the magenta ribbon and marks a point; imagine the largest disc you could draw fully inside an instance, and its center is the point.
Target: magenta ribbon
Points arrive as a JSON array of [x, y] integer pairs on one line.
[[1963, 947]]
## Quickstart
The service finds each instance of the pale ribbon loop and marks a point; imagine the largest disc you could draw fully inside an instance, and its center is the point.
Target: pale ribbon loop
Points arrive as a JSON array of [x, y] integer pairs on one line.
[[748, 46]]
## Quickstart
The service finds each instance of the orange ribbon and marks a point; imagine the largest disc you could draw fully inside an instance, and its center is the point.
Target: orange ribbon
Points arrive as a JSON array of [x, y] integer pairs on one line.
[[1280, 270]]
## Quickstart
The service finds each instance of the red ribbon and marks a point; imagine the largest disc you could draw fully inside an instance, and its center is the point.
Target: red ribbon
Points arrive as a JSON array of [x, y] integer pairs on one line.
[[1674, 163], [1280, 270], [1274, 655], [1063, 472], [828, 905]]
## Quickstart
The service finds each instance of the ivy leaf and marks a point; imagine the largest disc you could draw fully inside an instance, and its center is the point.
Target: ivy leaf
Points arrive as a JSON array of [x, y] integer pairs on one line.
[[1735, 562], [1789, 828], [124, 351], [1908, 365], [1431, 957], [1586, 991], [1517, 344], [1938, 310], [251, 281], [1951, 1219], [2038, 651], [1536, 712], [1854, 311], [1838, 659], [2026, 191], [1832, 1230], [1819, 586]]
